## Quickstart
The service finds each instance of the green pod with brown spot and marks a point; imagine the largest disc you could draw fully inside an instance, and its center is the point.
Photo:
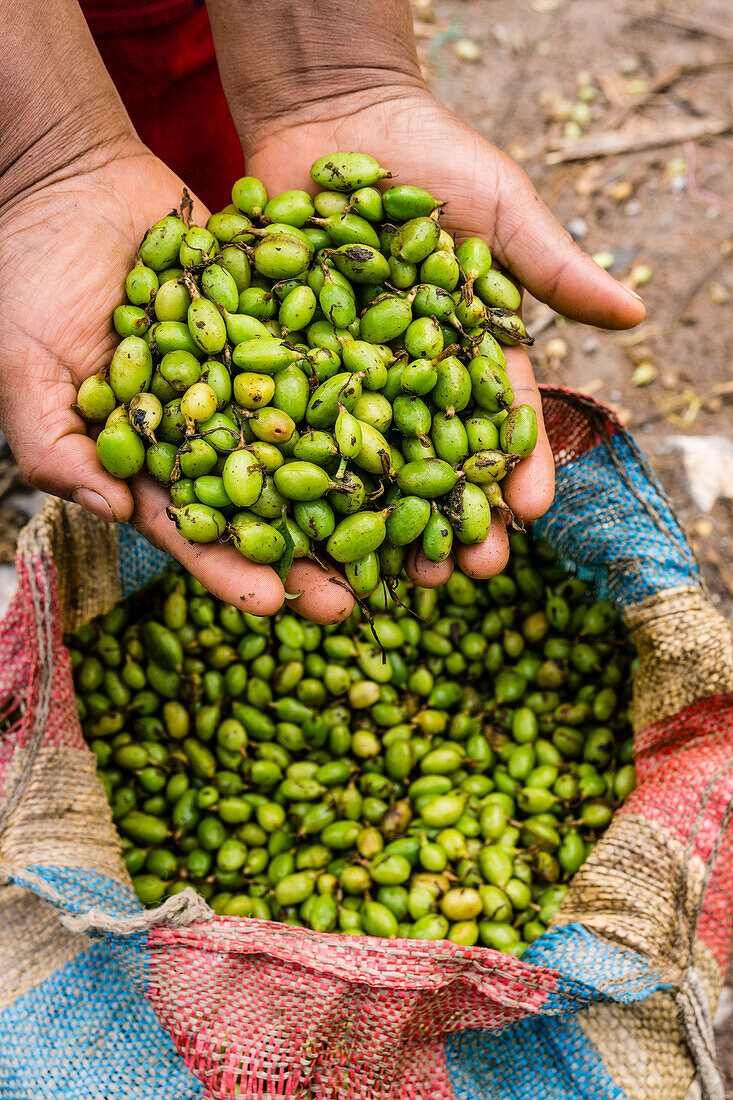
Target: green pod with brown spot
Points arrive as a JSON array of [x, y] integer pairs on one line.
[[336, 302], [316, 446], [375, 453], [348, 433], [95, 399], [449, 437], [374, 409], [518, 433], [411, 415], [162, 243], [323, 406], [433, 301], [282, 256], [130, 321], [437, 538], [363, 574], [315, 518], [507, 327], [490, 386], [356, 536], [427, 477], [358, 355], [441, 269], [346, 171], [469, 513], [253, 391], [291, 392], [485, 467], [497, 291], [407, 520], [482, 434], [243, 478], [141, 284], [198, 522], [346, 503], [271, 425], [416, 239], [385, 319], [131, 369], [453, 388], [481, 342], [218, 285], [229, 225], [234, 260], [298, 309], [259, 542], [264, 355], [360, 263], [419, 377]]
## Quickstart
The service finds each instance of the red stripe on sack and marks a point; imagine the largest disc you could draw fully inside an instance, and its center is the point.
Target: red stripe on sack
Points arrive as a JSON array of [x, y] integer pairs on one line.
[[170, 85], [62, 727], [16, 669], [575, 423], [685, 774], [302, 1008]]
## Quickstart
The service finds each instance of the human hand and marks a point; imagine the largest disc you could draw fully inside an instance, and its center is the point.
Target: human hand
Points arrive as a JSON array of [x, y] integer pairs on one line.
[[489, 196], [67, 243]]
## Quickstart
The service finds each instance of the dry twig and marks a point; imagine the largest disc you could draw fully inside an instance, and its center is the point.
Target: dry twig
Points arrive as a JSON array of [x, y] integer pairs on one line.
[[614, 119], [608, 144], [693, 24]]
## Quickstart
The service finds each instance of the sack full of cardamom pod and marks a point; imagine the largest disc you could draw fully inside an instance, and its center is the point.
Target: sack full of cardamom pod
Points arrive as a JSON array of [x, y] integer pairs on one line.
[[611, 996]]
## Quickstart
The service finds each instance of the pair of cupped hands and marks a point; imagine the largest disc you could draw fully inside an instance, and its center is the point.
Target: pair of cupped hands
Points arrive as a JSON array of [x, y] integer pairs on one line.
[[67, 243]]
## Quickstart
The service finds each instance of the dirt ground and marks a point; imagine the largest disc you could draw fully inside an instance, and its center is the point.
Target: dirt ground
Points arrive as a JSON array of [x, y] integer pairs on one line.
[[667, 208], [524, 73], [542, 79]]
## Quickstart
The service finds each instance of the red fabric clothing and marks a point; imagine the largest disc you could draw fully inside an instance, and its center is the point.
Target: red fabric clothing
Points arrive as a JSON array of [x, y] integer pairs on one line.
[[160, 54]]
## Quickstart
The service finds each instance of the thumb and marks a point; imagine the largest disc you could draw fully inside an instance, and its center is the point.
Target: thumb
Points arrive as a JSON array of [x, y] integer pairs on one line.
[[532, 244], [69, 468]]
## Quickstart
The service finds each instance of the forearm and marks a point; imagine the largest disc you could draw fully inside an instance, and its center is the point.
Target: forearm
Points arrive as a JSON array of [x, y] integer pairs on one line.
[[281, 59], [57, 101]]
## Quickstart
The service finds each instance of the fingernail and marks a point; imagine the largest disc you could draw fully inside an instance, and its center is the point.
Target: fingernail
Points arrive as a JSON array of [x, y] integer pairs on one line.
[[94, 503], [634, 294]]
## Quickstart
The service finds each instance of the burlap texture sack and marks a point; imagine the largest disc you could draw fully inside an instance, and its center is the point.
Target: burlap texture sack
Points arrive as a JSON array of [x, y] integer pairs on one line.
[[99, 998]]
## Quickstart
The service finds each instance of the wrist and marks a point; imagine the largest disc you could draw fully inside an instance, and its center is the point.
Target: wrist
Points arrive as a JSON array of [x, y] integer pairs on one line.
[[79, 139], [318, 60], [327, 103], [57, 103]]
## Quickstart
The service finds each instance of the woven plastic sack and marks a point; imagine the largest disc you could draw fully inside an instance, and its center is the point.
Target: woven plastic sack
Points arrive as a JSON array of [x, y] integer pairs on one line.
[[99, 998]]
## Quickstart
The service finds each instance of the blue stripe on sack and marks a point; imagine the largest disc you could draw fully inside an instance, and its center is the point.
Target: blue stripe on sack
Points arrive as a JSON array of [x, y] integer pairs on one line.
[[139, 562], [602, 531], [549, 1056], [81, 890], [608, 972], [536, 1059], [86, 1032]]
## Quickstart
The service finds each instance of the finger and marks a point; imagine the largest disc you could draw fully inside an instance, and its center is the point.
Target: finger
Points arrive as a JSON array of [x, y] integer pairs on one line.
[[530, 241], [323, 600], [427, 574], [487, 558], [68, 467], [530, 488], [219, 566], [498, 202]]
